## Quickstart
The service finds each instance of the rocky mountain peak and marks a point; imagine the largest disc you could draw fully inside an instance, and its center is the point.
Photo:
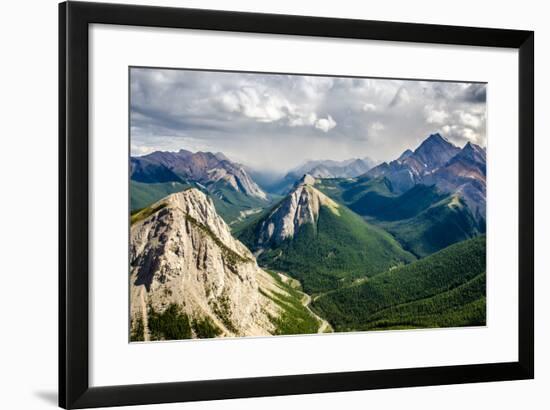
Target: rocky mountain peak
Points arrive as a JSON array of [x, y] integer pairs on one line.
[[406, 154], [348, 168], [307, 180], [299, 207], [435, 151], [203, 167], [182, 253], [473, 149], [197, 205]]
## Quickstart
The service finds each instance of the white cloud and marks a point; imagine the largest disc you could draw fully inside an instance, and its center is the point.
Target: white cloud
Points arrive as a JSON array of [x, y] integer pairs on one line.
[[286, 117], [325, 124], [375, 131], [315, 87], [229, 102], [377, 126], [255, 104], [369, 107], [435, 116], [138, 150], [470, 120], [401, 97], [461, 134]]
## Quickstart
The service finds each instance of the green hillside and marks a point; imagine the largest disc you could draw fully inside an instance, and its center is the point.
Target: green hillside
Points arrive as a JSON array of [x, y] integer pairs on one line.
[[144, 194], [393, 208], [235, 207], [442, 224], [441, 290], [333, 252], [295, 318], [356, 190], [423, 219]]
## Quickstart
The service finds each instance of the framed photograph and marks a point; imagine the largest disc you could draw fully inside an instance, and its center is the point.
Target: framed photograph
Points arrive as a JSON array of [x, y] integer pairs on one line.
[[256, 204]]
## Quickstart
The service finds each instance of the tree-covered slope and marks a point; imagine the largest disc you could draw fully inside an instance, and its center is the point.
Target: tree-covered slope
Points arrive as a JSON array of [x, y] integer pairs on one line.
[[393, 208], [143, 194], [338, 248], [351, 191], [235, 207], [375, 198], [444, 289], [444, 223], [423, 219]]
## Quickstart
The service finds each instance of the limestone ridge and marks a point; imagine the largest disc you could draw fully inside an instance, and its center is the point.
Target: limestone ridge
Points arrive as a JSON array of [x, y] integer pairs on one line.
[[183, 253], [203, 167], [300, 206]]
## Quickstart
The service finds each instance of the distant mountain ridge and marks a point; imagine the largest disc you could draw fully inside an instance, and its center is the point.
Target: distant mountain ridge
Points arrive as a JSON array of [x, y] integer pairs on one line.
[[203, 167], [423, 219], [333, 169], [235, 193], [438, 162]]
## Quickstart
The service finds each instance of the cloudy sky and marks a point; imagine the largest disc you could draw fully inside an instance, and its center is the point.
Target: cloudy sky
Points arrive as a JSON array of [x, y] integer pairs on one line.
[[276, 122]]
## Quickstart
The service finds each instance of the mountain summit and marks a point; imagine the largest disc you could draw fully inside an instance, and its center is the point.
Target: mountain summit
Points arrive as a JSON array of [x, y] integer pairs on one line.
[[332, 169], [435, 151], [184, 261], [301, 206], [438, 162], [319, 241], [235, 194], [205, 168]]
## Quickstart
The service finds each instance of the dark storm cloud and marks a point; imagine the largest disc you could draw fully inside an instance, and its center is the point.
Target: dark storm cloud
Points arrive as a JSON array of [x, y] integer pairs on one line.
[[278, 121], [476, 93]]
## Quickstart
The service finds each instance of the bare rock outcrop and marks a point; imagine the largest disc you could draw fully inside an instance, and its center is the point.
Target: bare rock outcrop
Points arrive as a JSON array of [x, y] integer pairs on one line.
[[300, 207], [183, 253]]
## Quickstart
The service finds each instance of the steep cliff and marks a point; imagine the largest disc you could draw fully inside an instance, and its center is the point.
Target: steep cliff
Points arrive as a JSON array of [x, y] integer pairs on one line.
[[184, 261]]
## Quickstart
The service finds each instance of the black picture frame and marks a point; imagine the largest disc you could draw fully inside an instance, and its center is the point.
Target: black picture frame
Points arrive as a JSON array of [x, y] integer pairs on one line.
[[74, 387]]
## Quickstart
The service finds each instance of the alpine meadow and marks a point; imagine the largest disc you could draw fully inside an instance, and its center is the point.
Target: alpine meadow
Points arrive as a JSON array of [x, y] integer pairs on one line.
[[276, 204]]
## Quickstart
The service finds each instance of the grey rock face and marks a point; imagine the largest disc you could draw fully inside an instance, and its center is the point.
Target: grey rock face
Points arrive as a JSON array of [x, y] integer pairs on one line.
[[184, 254], [202, 167], [301, 206], [434, 152], [465, 174], [438, 162]]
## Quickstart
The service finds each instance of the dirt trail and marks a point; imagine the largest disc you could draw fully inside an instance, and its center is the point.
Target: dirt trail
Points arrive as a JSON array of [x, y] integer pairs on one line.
[[324, 326]]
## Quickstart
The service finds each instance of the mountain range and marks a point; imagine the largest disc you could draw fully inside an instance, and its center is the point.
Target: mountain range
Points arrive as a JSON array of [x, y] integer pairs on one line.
[[332, 169], [203, 167], [438, 162], [319, 241], [160, 173], [345, 247]]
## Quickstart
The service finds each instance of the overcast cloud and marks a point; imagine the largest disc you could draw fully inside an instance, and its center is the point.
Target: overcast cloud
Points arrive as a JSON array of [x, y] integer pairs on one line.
[[276, 122]]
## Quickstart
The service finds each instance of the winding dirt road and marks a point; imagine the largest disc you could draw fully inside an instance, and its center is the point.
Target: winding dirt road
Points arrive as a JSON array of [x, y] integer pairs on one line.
[[325, 326]]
